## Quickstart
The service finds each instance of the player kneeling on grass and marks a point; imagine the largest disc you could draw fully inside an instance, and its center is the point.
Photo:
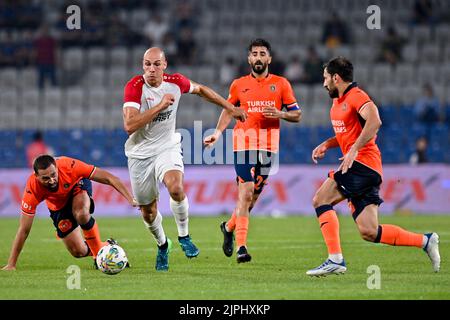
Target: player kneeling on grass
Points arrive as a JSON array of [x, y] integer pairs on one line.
[[356, 121], [65, 185]]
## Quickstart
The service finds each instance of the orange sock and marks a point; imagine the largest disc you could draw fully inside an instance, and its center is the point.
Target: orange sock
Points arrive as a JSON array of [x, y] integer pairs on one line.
[[241, 231], [396, 236], [329, 225], [231, 224], [92, 236]]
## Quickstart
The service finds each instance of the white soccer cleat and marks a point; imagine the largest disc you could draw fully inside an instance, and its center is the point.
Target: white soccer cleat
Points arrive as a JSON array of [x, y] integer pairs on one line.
[[327, 268], [432, 250]]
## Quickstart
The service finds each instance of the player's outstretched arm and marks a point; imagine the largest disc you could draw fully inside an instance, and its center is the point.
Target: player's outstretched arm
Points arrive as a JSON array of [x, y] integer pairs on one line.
[[103, 176], [21, 236], [213, 97], [222, 124], [321, 149], [133, 119]]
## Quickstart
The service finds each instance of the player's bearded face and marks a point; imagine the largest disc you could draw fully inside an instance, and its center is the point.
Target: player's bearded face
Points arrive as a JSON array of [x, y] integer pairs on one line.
[[48, 178], [259, 67], [329, 85], [259, 59]]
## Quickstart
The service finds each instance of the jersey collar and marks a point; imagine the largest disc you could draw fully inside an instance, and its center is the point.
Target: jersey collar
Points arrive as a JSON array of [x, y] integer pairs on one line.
[[350, 87], [269, 75]]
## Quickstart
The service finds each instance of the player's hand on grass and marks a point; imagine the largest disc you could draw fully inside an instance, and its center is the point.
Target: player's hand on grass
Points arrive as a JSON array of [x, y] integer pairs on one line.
[[210, 140], [348, 160], [319, 152], [239, 114], [9, 268], [272, 113], [167, 100]]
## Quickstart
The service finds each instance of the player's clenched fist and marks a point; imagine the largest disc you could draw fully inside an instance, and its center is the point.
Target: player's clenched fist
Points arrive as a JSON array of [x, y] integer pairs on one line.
[[239, 114], [167, 100]]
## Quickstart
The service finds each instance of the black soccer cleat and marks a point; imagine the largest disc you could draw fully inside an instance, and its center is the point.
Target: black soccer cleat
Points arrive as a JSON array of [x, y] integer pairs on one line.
[[242, 255], [227, 245]]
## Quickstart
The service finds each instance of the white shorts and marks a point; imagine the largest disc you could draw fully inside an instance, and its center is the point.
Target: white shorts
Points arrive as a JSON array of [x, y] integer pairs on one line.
[[147, 174]]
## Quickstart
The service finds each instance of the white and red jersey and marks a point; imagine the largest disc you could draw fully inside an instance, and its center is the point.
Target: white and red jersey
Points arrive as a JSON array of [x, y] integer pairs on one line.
[[160, 133]]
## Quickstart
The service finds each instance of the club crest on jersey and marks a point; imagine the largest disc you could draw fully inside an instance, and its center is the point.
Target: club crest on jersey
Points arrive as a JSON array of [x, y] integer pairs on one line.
[[273, 88], [345, 107]]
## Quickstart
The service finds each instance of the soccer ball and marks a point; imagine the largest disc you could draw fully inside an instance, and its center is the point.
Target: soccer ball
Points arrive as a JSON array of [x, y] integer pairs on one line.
[[111, 259]]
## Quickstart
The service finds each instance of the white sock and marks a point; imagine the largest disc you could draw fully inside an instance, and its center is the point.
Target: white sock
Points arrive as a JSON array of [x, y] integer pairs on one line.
[[156, 229], [336, 257], [180, 213]]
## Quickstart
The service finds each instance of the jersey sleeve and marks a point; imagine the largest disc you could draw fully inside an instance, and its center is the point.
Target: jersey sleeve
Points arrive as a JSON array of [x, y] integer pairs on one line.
[[288, 97], [133, 93], [233, 94], [29, 200], [181, 81], [82, 169], [359, 100]]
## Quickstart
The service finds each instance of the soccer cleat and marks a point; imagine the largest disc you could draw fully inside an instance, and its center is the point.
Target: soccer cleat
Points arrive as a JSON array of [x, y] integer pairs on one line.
[[162, 258], [242, 255], [227, 245], [189, 248], [432, 250], [327, 268]]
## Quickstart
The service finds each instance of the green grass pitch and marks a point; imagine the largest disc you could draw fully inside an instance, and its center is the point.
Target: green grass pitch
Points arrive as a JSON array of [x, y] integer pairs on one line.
[[282, 249]]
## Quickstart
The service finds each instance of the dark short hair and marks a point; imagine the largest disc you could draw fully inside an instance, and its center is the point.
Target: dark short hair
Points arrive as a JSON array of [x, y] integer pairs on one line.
[[341, 66], [260, 43], [42, 162]]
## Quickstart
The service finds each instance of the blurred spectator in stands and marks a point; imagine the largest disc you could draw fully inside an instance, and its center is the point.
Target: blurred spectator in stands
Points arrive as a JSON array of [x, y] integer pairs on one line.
[[427, 108], [277, 66], [391, 47], [155, 29], [45, 47], [335, 32], [313, 67], [25, 48], [184, 17], [94, 27], [36, 148], [228, 71], [186, 47], [420, 155], [423, 12], [294, 70], [30, 14], [8, 50], [170, 48]]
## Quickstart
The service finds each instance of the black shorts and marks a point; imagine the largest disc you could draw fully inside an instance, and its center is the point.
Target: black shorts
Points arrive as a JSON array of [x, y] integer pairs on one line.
[[360, 185], [253, 166], [63, 219]]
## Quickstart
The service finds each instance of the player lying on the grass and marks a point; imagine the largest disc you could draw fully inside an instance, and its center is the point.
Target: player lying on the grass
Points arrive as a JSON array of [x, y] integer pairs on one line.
[[356, 121], [65, 185]]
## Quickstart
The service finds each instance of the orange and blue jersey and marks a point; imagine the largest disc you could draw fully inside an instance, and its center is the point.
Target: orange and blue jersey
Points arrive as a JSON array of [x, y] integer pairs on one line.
[[348, 125], [253, 95]]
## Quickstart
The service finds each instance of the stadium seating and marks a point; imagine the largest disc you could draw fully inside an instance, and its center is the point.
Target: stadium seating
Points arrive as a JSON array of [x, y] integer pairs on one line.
[[83, 114]]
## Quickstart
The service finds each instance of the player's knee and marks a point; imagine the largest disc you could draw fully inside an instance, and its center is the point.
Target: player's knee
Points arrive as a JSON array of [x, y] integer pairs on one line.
[[316, 201], [176, 192], [82, 215], [368, 234]]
